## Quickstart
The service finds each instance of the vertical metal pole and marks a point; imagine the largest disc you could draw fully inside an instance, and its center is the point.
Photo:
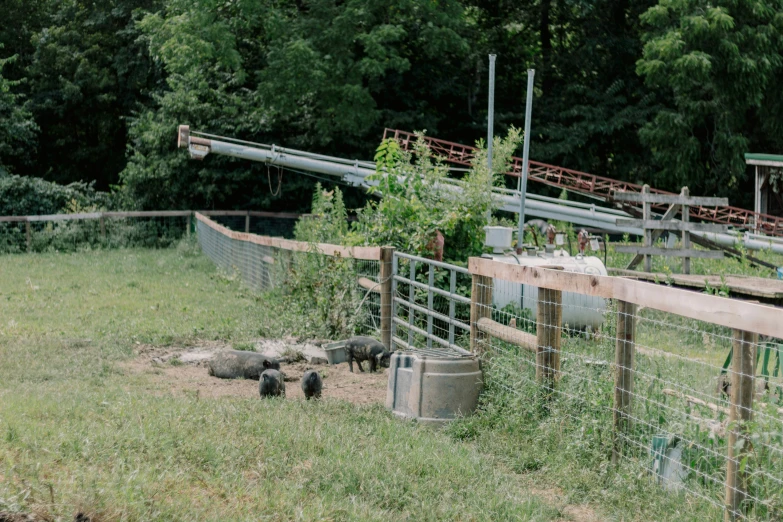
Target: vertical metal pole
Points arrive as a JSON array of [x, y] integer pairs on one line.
[[480, 307], [452, 304], [411, 299], [490, 128], [247, 222], [28, 236], [430, 303], [525, 156]]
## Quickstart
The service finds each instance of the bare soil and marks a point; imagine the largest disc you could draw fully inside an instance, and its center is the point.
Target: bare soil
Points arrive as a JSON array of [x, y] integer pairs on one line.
[[577, 513], [183, 371]]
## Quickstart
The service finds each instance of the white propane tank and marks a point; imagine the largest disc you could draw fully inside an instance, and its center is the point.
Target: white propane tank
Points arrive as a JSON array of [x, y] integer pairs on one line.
[[579, 311]]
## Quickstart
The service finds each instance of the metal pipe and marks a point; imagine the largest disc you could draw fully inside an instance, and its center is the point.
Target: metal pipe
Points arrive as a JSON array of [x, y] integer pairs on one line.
[[490, 126], [525, 157], [432, 262], [433, 313], [538, 206], [456, 297]]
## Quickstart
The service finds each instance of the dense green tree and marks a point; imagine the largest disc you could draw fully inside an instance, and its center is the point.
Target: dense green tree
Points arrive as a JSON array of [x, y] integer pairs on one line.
[[28, 196], [88, 72], [17, 127], [669, 93], [720, 64], [589, 102], [319, 75]]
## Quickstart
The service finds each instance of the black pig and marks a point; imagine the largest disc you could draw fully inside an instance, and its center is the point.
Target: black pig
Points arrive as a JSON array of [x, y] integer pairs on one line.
[[312, 384], [234, 364], [367, 349], [271, 384]]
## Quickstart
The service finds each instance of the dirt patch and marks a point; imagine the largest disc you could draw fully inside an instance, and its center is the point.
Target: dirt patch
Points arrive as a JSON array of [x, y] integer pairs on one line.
[[18, 517], [183, 371], [579, 513]]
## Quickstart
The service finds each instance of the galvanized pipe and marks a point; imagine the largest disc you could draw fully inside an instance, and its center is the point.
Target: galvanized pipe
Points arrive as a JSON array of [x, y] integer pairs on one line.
[[538, 206], [490, 126], [525, 157], [434, 314]]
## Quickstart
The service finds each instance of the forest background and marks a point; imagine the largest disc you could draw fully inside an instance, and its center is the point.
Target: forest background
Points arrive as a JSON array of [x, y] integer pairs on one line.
[[666, 92]]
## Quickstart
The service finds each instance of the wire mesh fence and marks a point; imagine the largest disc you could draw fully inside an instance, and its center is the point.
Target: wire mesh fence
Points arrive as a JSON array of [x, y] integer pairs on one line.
[[71, 232], [343, 290], [682, 387], [654, 389], [273, 224]]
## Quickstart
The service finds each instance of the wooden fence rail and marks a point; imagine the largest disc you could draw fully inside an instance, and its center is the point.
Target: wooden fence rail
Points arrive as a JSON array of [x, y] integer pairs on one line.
[[746, 319]]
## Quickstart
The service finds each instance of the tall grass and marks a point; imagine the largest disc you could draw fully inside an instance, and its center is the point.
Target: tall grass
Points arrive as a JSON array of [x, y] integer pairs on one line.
[[78, 433]]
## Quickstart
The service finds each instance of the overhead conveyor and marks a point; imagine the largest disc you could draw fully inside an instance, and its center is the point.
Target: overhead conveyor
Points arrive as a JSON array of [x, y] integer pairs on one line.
[[597, 187], [356, 172]]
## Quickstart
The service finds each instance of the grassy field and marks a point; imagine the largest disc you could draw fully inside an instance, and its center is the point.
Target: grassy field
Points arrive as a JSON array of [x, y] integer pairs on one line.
[[79, 432]]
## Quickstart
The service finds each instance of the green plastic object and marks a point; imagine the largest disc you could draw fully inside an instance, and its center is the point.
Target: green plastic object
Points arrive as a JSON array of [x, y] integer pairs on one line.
[[763, 157], [769, 349], [666, 452]]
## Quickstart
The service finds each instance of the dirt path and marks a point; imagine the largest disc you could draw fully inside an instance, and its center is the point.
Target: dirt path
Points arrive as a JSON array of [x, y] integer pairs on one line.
[[184, 371]]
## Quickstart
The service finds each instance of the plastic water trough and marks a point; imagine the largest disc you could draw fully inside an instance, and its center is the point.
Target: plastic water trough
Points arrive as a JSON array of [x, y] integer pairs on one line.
[[433, 386]]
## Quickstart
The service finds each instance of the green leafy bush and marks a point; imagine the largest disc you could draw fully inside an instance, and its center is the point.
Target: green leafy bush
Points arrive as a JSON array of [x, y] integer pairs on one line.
[[29, 196], [322, 285], [418, 199]]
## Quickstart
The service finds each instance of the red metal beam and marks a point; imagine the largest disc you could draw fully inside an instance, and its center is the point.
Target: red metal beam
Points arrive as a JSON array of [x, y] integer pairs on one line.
[[590, 184]]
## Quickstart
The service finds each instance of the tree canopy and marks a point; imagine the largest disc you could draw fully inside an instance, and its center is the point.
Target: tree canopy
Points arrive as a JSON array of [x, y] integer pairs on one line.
[[667, 92]]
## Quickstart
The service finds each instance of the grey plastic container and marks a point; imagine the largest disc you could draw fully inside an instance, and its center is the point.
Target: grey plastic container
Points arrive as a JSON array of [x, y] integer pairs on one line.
[[335, 352], [433, 389]]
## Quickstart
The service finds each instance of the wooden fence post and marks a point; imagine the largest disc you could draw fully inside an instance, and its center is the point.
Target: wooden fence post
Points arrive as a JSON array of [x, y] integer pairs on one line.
[[549, 320], [686, 236], [648, 237], [28, 236], [623, 376], [743, 371], [386, 275], [480, 307]]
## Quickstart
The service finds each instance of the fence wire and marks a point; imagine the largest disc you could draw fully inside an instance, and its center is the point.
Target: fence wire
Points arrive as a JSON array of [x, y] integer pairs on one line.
[[92, 233], [346, 292], [649, 387]]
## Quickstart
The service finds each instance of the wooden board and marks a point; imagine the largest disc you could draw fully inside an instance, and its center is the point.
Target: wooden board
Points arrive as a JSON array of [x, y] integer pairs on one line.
[[656, 224], [370, 285], [670, 252], [279, 215], [508, 334], [366, 253], [218, 213], [97, 215], [64, 217], [670, 199], [738, 285], [731, 313], [149, 213]]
